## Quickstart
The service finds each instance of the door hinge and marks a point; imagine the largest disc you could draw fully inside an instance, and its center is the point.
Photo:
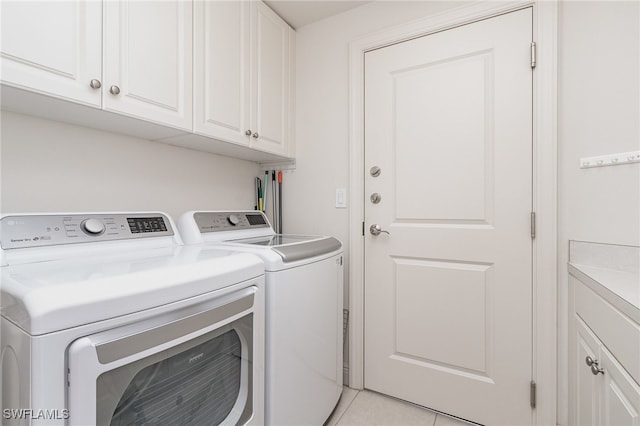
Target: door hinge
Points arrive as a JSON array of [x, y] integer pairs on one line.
[[533, 54], [363, 229], [533, 225], [532, 394]]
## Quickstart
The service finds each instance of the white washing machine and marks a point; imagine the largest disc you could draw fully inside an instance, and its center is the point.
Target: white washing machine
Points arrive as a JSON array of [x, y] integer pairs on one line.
[[108, 319], [304, 278]]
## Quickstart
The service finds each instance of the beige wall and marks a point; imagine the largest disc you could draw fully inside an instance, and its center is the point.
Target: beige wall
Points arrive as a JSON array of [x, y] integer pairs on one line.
[[598, 113], [49, 166]]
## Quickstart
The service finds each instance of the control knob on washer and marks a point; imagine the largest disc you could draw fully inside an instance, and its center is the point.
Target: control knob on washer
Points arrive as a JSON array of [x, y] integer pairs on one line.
[[233, 219], [92, 226]]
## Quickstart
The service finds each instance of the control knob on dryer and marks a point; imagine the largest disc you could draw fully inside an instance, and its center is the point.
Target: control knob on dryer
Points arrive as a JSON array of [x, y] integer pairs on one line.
[[92, 226], [233, 219]]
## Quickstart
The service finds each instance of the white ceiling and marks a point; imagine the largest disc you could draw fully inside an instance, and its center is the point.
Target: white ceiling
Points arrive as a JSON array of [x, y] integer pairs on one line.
[[302, 12]]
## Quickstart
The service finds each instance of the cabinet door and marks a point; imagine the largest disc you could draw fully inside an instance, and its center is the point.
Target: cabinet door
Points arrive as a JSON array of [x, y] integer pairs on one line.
[[586, 384], [147, 70], [272, 39], [221, 61], [53, 47], [621, 394]]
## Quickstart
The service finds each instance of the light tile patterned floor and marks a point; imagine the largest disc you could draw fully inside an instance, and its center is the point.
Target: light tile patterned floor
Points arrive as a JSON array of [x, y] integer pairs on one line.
[[366, 408]]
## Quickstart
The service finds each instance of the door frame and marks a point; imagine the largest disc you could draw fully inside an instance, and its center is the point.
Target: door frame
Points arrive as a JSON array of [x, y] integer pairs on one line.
[[544, 368]]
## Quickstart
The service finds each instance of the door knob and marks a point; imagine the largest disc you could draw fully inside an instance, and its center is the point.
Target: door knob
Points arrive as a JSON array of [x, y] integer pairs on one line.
[[95, 84], [255, 135], [115, 90], [590, 361], [375, 198], [375, 171], [248, 132], [376, 230]]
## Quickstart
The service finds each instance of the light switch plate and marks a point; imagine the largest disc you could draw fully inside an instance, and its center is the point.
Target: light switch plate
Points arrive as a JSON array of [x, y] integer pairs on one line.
[[341, 198]]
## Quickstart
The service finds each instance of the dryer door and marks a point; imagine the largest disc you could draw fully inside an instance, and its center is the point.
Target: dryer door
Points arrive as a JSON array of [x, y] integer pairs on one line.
[[195, 368]]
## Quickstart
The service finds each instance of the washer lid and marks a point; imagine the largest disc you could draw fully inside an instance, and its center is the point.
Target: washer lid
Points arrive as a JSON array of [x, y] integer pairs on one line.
[[294, 247], [50, 296]]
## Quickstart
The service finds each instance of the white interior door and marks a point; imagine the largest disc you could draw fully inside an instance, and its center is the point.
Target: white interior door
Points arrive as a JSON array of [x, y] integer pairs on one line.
[[448, 305]]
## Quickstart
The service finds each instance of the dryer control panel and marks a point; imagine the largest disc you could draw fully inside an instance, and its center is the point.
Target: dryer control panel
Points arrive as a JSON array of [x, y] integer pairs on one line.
[[229, 221], [23, 231]]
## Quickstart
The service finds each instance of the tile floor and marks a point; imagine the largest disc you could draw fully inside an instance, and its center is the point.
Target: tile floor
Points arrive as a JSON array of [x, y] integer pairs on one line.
[[368, 408]]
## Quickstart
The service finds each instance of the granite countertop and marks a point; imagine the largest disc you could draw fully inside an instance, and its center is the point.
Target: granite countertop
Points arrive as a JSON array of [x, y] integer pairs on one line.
[[614, 269]]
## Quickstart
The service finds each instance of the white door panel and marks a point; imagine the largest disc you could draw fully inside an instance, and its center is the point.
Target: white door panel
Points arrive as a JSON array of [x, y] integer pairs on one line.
[[448, 290], [53, 47], [148, 50], [271, 80], [222, 62]]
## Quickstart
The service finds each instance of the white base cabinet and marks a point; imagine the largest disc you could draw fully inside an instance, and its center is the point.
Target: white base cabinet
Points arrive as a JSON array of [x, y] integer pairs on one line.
[[602, 390]]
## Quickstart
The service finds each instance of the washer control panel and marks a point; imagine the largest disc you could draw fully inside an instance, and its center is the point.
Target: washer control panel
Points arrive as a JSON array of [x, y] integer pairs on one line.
[[48, 230], [229, 221]]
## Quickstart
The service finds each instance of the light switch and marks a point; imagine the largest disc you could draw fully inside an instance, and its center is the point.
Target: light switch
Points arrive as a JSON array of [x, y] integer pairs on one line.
[[341, 198]]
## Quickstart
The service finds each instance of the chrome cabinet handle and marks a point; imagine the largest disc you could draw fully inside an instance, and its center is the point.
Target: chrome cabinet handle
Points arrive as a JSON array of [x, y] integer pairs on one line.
[[595, 370], [375, 171], [375, 198], [376, 230], [95, 84], [248, 132], [114, 90], [593, 363], [256, 135]]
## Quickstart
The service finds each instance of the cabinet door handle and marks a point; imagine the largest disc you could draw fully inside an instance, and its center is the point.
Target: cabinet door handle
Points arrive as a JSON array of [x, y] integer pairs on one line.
[[595, 370], [248, 132], [95, 84], [593, 363], [115, 90], [256, 135]]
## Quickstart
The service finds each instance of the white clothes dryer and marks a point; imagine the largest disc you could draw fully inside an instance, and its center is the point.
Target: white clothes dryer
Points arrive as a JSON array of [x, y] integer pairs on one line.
[[303, 280], [107, 319]]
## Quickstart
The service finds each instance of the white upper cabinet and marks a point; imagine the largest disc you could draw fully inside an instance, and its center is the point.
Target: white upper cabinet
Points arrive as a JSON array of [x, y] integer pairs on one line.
[[221, 64], [272, 47], [243, 75], [210, 75], [147, 60], [53, 48]]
